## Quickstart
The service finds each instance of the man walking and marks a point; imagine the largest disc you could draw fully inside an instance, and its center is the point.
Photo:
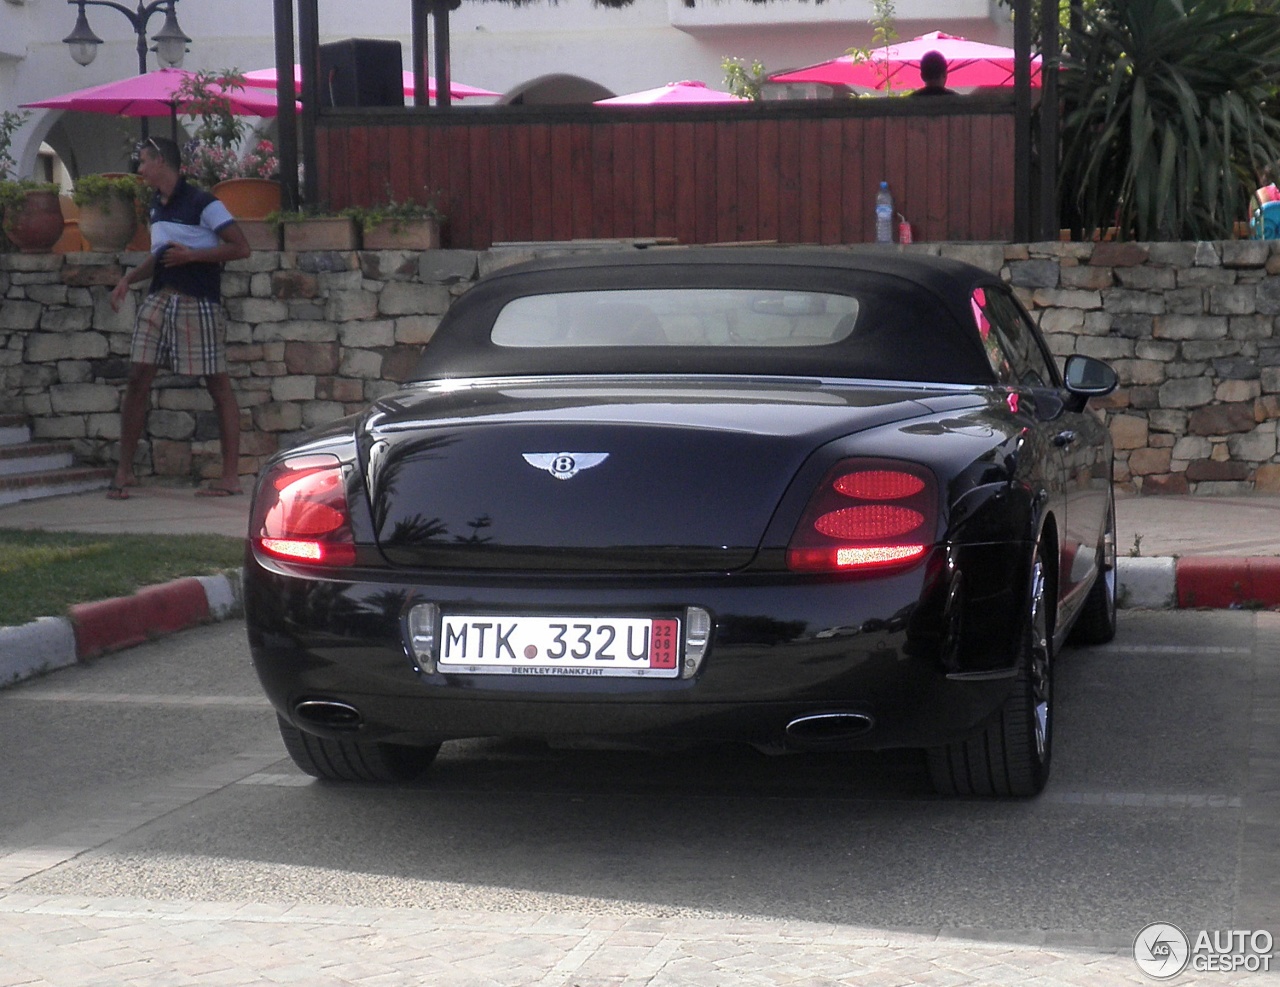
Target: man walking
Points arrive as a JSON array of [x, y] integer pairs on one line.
[[180, 323]]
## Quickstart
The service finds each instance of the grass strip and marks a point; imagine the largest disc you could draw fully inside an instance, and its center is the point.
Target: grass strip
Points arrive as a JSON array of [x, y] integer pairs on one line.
[[42, 573]]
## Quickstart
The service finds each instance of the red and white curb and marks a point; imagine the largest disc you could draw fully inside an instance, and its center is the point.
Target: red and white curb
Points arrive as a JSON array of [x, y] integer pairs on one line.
[[92, 629], [1198, 581], [1147, 584]]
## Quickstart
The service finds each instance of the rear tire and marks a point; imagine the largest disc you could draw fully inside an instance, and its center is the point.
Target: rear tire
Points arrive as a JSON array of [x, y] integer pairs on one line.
[[1097, 621], [354, 760], [1011, 756]]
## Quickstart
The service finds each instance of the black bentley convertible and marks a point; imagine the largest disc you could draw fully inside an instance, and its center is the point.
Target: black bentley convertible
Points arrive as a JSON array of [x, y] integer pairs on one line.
[[802, 499]]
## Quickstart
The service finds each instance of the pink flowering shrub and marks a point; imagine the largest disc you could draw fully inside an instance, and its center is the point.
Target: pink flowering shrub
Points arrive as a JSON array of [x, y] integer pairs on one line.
[[209, 164], [260, 162]]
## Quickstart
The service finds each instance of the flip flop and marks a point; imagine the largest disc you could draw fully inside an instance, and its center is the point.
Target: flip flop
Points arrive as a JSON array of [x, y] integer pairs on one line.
[[117, 491], [213, 491]]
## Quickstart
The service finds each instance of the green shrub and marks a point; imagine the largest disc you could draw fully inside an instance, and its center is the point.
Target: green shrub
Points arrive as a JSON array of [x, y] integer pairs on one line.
[[13, 192], [393, 212], [90, 189]]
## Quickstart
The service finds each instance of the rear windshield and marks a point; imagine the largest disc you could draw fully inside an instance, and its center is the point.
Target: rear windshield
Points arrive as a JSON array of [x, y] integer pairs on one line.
[[698, 317], [753, 319]]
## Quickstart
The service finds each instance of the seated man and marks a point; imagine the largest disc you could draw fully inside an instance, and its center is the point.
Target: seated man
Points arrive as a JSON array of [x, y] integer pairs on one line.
[[933, 73]]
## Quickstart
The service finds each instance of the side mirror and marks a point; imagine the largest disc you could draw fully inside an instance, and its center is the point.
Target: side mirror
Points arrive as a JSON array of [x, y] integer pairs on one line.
[[1089, 377]]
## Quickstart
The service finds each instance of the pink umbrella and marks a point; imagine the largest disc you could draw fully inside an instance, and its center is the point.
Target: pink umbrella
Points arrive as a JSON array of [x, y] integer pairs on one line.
[[689, 91], [152, 95], [969, 63], [266, 79]]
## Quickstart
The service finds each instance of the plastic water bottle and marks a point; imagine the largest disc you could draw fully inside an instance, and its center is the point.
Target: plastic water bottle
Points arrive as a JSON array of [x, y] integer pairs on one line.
[[884, 214]]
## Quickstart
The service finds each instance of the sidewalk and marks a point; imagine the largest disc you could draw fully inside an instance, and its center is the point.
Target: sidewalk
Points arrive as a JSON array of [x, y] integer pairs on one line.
[[156, 510], [1217, 552], [1172, 552], [1225, 527]]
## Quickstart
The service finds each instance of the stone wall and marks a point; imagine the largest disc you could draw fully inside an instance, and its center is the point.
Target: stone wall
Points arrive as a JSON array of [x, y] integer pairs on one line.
[[311, 337], [1192, 330], [1190, 327]]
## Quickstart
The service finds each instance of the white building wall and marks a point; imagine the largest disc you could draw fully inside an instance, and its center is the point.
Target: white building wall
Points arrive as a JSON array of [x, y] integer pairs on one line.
[[494, 45]]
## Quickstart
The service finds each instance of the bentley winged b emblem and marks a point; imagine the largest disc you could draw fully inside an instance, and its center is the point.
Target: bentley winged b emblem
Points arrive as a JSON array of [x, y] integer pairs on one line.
[[563, 465]]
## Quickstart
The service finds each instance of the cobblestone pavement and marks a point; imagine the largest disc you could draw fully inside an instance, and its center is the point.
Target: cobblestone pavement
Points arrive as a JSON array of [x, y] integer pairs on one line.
[[90, 941]]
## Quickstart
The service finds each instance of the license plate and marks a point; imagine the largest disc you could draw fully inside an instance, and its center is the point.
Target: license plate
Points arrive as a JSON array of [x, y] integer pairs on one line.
[[584, 646]]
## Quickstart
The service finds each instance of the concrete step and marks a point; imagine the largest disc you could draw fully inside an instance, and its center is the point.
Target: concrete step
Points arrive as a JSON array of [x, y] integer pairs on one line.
[[53, 483], [35, 457], [14, 430], [33, 469]]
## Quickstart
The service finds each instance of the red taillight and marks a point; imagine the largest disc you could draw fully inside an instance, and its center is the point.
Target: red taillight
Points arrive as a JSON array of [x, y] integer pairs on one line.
[[301, 513], [879, 484], [872, 521], [866, 514]]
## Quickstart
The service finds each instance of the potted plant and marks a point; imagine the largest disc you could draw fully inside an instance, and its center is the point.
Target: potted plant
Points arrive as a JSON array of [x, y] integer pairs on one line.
[[204, 98], [109, 208], [30, 214], [262, 234], [248, 187], [315, 230], [396, 225], [245, 184]]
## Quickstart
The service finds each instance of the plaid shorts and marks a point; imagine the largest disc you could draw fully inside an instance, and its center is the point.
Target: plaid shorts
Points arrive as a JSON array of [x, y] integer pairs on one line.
[[187, 335]]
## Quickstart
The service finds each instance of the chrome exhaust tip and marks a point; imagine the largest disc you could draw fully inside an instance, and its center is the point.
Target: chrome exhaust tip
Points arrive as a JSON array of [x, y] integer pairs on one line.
[[828, 729], [328, 714]]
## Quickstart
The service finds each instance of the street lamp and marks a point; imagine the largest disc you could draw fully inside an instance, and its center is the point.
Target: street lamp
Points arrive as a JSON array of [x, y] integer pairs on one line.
[[171, 43]]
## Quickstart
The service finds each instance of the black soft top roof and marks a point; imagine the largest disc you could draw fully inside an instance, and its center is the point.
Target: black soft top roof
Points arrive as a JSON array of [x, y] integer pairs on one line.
[[916, 322]]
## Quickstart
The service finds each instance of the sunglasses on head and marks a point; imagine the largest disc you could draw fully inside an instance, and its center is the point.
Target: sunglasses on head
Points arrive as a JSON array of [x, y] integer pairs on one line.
[[141, 146]]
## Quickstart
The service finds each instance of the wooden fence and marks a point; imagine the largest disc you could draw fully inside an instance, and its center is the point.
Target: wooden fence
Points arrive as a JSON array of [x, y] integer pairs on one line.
[[787, 172]]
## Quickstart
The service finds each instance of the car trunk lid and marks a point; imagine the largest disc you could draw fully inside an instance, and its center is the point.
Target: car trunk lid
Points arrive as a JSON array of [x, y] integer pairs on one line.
[[599, 474]]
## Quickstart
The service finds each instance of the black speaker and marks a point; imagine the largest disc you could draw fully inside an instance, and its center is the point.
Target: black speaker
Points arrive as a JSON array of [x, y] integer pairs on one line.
[[361, 72]]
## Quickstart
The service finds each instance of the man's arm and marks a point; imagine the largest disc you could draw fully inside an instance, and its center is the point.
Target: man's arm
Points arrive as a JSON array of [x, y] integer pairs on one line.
[[142, 272], [232, 245]]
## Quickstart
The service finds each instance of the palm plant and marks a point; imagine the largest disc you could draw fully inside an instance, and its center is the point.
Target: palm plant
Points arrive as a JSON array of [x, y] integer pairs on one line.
[[1167, 118]]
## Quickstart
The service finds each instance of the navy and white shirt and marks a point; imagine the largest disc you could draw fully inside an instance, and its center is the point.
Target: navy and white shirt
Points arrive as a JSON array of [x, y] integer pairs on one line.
[[191, 217]]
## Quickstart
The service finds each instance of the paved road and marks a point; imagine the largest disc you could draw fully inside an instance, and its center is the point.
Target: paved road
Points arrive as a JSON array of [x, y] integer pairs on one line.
[[151, 832]]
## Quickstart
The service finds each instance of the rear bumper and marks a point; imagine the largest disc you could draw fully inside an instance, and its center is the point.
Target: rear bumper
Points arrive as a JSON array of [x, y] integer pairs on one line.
[[779, 651], [942, 712]]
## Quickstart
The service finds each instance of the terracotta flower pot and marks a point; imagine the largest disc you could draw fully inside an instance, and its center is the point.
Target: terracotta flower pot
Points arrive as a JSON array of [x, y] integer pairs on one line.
[[109, 224], [261, 234], [249, 198], [407, 234], [142, 234], [36, 225], [320, 233]]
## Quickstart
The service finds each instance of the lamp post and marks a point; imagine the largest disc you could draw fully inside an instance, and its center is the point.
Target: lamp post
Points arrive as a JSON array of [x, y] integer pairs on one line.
[[170, 42]]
